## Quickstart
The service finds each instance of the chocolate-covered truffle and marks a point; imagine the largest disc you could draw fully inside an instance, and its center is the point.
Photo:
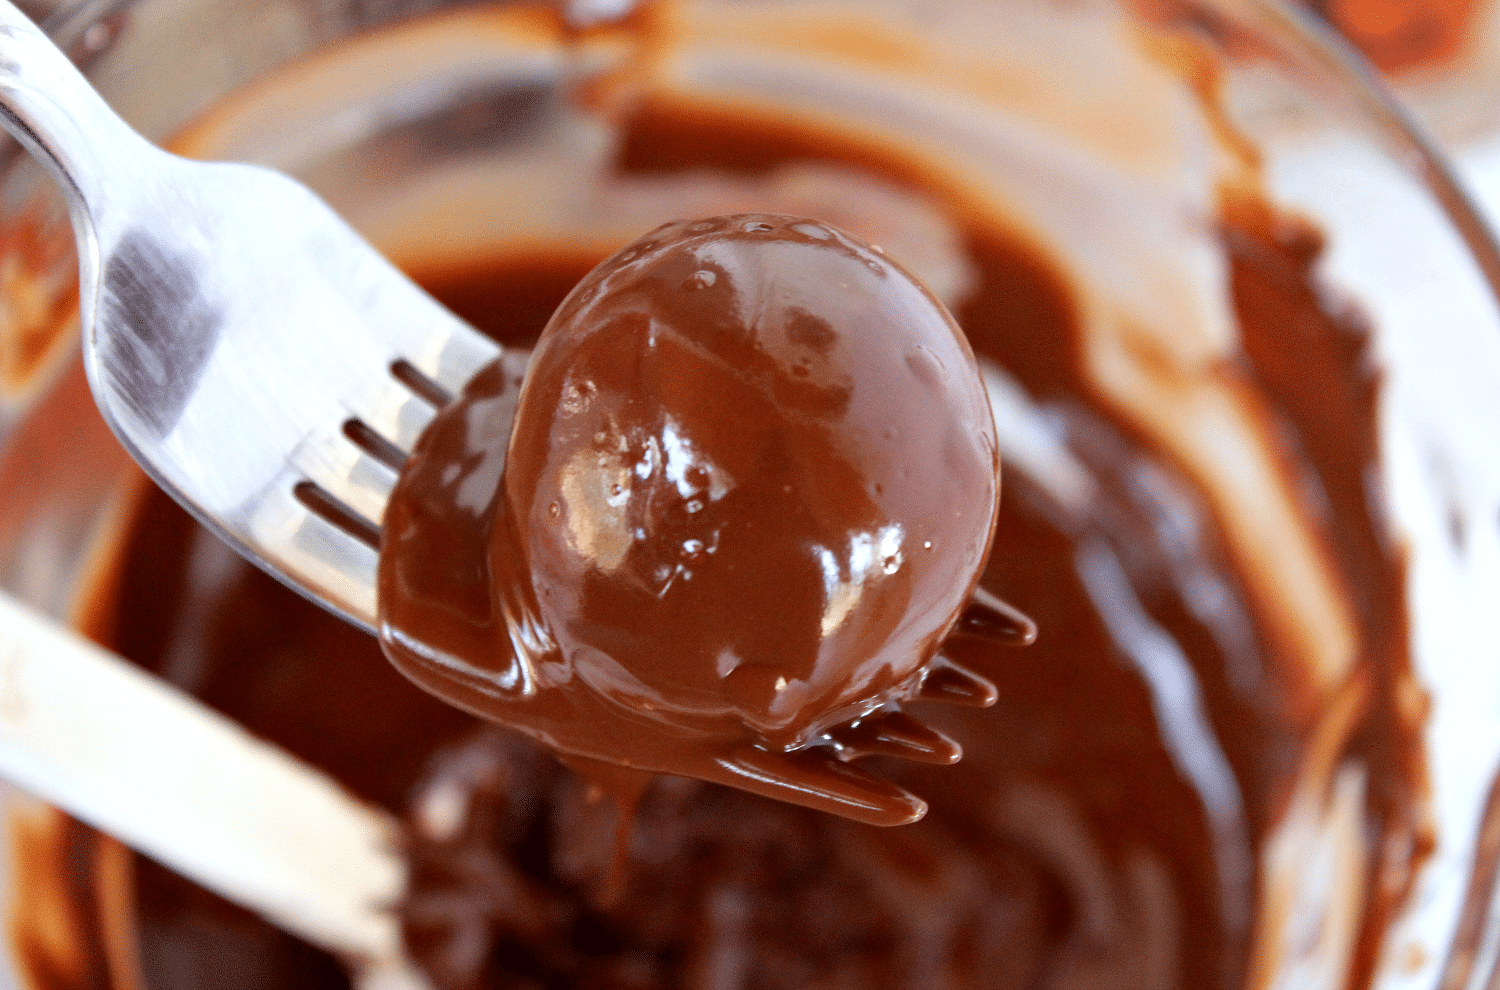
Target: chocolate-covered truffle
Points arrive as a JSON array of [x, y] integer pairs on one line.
[[753, 475], [751, 483]]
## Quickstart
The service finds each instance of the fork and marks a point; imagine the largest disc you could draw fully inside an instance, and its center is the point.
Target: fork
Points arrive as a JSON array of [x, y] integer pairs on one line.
[[262, 363], [271, 371]]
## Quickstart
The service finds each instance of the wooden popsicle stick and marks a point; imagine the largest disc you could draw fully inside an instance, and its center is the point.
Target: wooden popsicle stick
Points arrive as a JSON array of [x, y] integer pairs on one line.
[[85, 730]]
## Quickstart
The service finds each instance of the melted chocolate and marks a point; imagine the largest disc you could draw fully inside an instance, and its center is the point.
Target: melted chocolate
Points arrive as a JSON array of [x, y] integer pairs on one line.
[[1098, 832]]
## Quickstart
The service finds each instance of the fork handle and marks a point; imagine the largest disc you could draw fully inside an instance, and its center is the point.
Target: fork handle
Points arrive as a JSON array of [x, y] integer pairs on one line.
[[52, 110]]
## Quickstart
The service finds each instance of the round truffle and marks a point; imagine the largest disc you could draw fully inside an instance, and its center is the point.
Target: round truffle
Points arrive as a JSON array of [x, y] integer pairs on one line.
[[753, 476]]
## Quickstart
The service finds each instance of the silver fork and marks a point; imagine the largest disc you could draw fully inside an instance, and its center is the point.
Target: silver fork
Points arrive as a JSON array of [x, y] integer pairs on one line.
[[261, 361], [272, 372]]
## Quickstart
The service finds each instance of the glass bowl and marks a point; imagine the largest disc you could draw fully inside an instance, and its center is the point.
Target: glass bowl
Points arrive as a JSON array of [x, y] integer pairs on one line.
[[1109, 152]]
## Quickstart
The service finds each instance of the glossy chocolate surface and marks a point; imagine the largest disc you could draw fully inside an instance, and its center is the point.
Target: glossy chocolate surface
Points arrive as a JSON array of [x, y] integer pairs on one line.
[[752, 481]]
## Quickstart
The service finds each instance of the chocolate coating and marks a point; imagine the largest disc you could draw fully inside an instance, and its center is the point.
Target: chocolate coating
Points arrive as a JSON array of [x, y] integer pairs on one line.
[[753, 476], [751, 482]]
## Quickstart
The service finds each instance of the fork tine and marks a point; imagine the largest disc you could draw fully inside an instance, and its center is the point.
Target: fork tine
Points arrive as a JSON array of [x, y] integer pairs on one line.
[[989, 616], [362, 483], [819, 780], [397, 415], [947, 681], [354, 469], [454, 358], [446, 351], [313, 556], [314, 552], [374, 443], [895, 733]]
